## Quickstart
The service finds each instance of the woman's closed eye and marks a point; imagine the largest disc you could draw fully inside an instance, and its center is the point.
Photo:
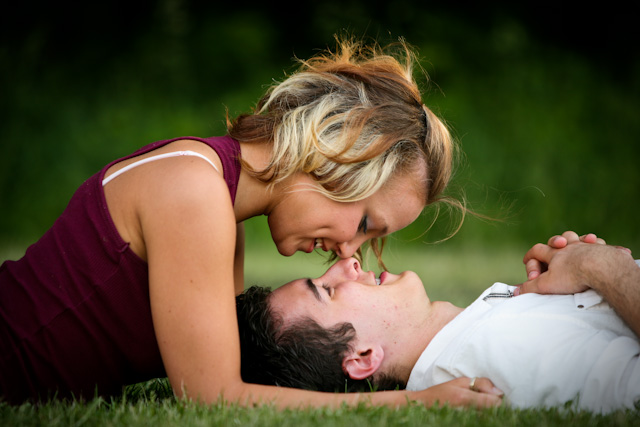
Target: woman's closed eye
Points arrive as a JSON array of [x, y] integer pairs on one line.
[[364, 224]]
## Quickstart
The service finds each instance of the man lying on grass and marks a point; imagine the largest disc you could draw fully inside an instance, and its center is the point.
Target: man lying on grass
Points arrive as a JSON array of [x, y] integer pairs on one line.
[[348, 331]]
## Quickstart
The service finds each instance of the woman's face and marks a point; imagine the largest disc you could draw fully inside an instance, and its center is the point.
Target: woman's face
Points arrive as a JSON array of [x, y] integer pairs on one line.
[[305, 219]]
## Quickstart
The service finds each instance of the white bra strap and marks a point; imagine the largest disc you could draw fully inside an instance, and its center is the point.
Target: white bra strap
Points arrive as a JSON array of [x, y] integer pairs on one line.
[[156, 157]]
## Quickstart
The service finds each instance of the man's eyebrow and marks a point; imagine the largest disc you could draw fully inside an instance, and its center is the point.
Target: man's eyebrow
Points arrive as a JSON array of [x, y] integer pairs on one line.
[[314, 289]]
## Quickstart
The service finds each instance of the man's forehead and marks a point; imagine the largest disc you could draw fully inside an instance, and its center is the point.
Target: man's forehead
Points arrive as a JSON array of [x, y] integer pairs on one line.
[[294, 294], [297, 300]]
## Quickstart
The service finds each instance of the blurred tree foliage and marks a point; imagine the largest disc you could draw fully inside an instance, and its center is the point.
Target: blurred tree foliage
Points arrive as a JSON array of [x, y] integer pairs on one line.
[[542, 98]]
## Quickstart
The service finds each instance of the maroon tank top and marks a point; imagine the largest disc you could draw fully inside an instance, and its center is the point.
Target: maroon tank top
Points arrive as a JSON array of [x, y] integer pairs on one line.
[[75, 316]]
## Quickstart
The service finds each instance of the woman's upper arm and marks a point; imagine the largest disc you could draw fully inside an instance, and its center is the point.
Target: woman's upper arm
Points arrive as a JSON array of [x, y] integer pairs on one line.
[[238, 262], [189, 230]]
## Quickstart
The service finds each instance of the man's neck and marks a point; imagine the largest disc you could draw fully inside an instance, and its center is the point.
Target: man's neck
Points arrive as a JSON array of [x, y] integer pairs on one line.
[[439, 316]]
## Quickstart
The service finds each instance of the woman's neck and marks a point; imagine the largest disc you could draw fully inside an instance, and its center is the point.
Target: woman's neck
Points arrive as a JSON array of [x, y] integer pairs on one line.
[[254, 197]]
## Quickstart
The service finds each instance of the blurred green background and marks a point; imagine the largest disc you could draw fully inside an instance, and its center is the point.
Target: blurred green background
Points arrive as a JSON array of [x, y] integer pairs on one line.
[[543, 98]]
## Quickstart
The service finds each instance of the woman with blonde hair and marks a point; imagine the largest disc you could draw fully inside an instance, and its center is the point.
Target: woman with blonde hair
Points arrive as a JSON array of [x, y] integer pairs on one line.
[[137, 278]]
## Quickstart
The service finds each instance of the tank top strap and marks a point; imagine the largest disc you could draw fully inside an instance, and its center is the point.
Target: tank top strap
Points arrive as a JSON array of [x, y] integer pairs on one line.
[[156, 157]]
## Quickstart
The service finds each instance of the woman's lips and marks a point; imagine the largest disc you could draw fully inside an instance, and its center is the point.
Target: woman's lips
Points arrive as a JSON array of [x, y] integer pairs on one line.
[[316, 244]]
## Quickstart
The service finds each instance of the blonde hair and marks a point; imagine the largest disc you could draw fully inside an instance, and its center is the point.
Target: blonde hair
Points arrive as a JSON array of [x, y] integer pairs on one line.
[[352, 120]]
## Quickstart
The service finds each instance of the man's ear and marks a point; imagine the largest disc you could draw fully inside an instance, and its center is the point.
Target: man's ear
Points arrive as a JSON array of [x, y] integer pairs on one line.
[[363, 362]]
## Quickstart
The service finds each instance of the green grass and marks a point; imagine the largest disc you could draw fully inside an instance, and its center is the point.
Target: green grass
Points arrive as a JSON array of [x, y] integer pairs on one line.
[[151, 404]]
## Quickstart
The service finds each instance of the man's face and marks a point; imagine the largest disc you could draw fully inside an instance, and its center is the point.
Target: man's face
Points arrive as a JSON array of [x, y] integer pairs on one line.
[[391, 310]]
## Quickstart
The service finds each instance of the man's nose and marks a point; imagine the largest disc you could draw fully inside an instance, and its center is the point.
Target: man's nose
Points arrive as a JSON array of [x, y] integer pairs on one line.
[[348, 268]]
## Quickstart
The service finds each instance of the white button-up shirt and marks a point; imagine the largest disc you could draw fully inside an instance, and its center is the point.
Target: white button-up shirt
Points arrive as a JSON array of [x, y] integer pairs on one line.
[[541, 350]]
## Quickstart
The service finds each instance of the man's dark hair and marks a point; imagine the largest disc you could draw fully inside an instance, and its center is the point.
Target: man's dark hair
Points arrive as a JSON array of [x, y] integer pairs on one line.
[[302, 355]]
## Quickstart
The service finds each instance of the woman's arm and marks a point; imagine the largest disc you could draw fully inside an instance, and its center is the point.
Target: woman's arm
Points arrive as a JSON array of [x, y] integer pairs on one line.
[[238, 261], [454, 393], [189, 230]]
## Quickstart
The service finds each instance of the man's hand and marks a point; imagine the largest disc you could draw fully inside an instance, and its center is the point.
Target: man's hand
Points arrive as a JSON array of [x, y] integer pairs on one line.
[[535, 266], [566, 270], [610, 270]]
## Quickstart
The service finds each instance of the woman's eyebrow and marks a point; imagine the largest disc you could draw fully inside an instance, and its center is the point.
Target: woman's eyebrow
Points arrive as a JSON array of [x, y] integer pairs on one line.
[[314, 289]]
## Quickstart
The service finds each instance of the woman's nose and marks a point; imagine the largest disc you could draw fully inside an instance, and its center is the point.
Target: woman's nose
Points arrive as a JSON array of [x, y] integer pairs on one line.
[[347, 249]]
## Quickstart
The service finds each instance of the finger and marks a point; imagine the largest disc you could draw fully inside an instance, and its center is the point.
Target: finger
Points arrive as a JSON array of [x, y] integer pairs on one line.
[[528, 287], [538, 285], [545, 284], [592, 238], [482, 400], [485, 394], [558, 242], [539, 252], [534, 268], [484, 385], [622, 248], [571, 236]]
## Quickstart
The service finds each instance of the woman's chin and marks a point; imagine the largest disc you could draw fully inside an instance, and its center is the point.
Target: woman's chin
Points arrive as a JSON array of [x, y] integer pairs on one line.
[[285, 251]]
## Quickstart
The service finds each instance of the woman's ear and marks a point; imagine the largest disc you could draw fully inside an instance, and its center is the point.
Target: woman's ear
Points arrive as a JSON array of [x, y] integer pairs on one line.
[[363, 362]]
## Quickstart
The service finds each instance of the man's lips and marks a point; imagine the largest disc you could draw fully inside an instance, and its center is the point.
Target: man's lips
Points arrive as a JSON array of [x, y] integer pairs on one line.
[[383, 277]]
